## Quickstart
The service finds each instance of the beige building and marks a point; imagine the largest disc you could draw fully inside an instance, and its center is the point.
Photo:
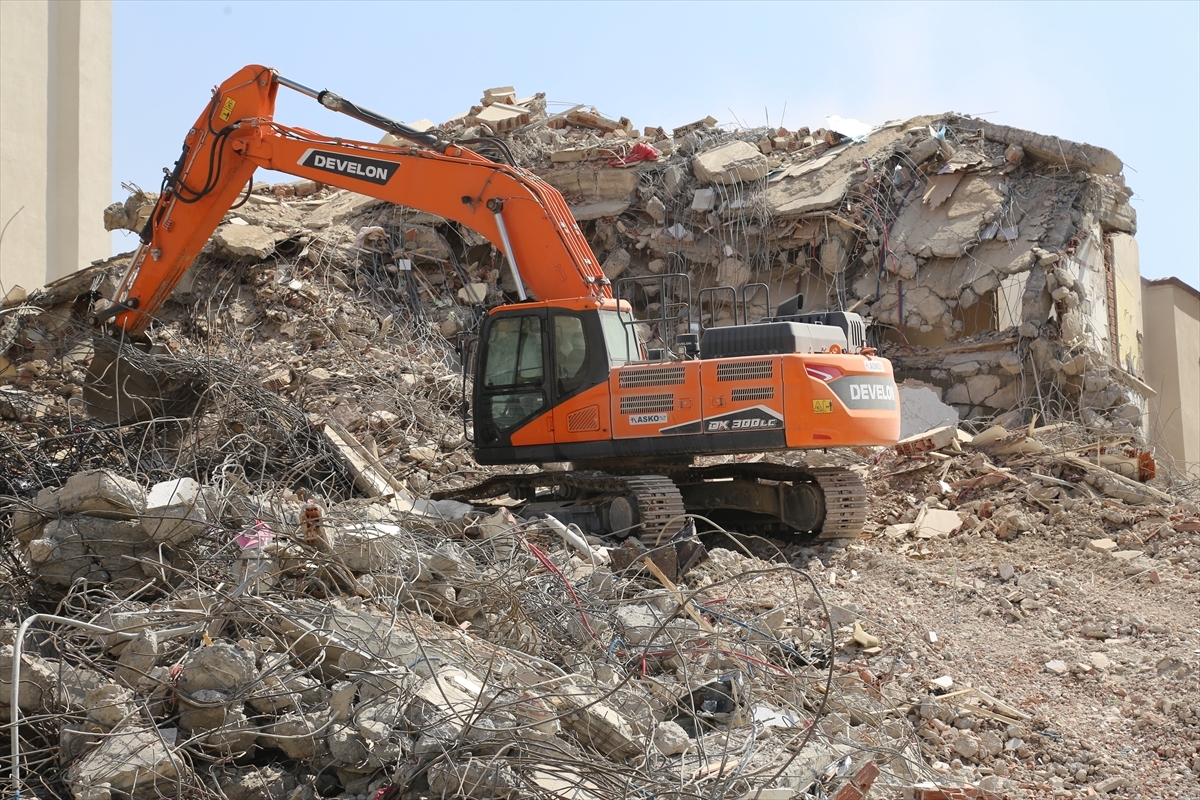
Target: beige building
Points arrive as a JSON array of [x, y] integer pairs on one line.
[[1171, 320], [55, 137]]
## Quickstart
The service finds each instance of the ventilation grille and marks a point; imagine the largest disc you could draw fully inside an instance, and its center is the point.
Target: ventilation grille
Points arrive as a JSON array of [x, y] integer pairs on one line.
[[857, 337], [761, 393], [746, 371], [652, 376], [645, 403], [585, 419]]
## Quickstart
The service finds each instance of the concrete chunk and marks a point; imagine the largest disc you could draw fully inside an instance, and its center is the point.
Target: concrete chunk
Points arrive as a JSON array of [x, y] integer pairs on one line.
[[174, 513], [217, 723], [87, 545], [1056, 667], [936, 522], [96, 492], [474, 777], [258, 783], [450, 696], [671, 739], [138, 658], [27, 525], [109, 705], [38, 681], [251, 241], [927, 441], [730, 163], [596, 723], [922, 410], [60, 557], [299, 735], [223, 666], [704, 200], [138, 763], [472, 293], [1055, 150]]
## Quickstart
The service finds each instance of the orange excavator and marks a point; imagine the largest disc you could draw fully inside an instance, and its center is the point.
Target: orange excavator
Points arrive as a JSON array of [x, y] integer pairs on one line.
[[563, 374]]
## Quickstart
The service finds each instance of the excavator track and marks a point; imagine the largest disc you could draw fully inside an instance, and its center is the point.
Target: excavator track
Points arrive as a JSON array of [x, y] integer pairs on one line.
[[842, 507], [660, 507], [845, 502], [653, 506]]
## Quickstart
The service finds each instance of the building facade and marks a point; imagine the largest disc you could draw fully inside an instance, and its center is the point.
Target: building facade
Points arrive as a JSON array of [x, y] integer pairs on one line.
[[1171, 310], [55, 138]]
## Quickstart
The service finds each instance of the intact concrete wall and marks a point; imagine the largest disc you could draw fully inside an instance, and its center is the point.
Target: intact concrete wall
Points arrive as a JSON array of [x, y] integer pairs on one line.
[[55, 137], [1171, 318], [1127, 278]]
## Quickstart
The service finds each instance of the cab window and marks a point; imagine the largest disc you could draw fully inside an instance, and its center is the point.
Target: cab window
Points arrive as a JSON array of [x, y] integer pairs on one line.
[[514, 353], [570, 353], [514, 372], [620, 338]]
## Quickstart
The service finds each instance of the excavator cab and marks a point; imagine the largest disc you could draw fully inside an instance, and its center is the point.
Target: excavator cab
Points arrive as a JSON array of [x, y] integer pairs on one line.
[[535, 359]]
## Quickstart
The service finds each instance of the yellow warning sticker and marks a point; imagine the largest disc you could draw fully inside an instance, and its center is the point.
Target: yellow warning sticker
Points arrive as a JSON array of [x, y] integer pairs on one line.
[[822, 406], [227, 109]]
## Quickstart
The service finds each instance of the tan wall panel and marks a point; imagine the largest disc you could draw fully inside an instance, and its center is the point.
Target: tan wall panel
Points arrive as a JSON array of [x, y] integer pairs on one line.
[[23, 118], [1128, 276], [1172, 356], [55, 137]]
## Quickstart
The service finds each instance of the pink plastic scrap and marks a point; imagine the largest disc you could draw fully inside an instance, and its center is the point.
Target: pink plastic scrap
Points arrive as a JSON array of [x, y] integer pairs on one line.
[[256, 537]]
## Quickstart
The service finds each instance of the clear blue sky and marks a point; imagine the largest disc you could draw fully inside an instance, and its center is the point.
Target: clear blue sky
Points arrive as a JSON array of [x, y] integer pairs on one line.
[[1125, 76]]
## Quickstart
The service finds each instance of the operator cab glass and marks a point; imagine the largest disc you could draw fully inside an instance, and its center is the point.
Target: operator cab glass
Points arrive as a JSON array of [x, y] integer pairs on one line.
[[570, 353], [620, 339], [514, 370]]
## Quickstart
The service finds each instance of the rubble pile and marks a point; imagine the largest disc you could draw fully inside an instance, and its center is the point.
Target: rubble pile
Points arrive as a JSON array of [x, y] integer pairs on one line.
[[258, 644], [980, 248], [252, 597], [987, 258], [263, 645]]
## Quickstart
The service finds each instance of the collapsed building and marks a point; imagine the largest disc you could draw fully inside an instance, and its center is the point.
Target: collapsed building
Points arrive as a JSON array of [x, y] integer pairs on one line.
[[997, 265], [252, 597]]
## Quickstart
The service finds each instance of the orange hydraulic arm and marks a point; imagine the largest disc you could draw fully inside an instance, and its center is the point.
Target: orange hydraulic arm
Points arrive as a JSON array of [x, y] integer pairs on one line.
[[526, 218]]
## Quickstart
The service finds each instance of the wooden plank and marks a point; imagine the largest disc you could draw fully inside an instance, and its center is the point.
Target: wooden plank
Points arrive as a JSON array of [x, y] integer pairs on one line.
[[679, 598], [369, 476], [1099, 470]]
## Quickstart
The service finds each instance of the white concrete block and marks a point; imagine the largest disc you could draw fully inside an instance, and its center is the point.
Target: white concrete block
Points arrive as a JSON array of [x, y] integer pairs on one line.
[[174, 513]]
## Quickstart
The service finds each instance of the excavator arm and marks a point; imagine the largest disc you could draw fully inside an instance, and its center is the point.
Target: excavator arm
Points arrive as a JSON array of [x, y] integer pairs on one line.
[[526, 218]]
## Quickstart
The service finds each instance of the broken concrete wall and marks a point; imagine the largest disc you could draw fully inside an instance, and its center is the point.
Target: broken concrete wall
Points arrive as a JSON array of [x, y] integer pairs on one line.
[[1127, 277], [943, 230]]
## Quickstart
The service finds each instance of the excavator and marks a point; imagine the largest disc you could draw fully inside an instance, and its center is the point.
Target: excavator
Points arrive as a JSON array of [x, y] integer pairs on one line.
[[564, 374]]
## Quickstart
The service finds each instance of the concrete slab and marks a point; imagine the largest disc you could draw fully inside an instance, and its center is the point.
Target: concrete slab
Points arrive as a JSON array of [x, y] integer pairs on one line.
[[735, 162]]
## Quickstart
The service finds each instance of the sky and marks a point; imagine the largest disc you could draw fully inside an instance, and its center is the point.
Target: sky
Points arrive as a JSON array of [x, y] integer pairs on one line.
[[1125, 76]]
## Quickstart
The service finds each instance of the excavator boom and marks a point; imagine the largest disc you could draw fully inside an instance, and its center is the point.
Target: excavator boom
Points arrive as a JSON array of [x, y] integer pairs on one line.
[[565, 378], [520, 214]]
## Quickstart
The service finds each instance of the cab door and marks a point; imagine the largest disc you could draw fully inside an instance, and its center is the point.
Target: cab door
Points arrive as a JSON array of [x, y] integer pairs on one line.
[[511, 385], [579, 385]]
